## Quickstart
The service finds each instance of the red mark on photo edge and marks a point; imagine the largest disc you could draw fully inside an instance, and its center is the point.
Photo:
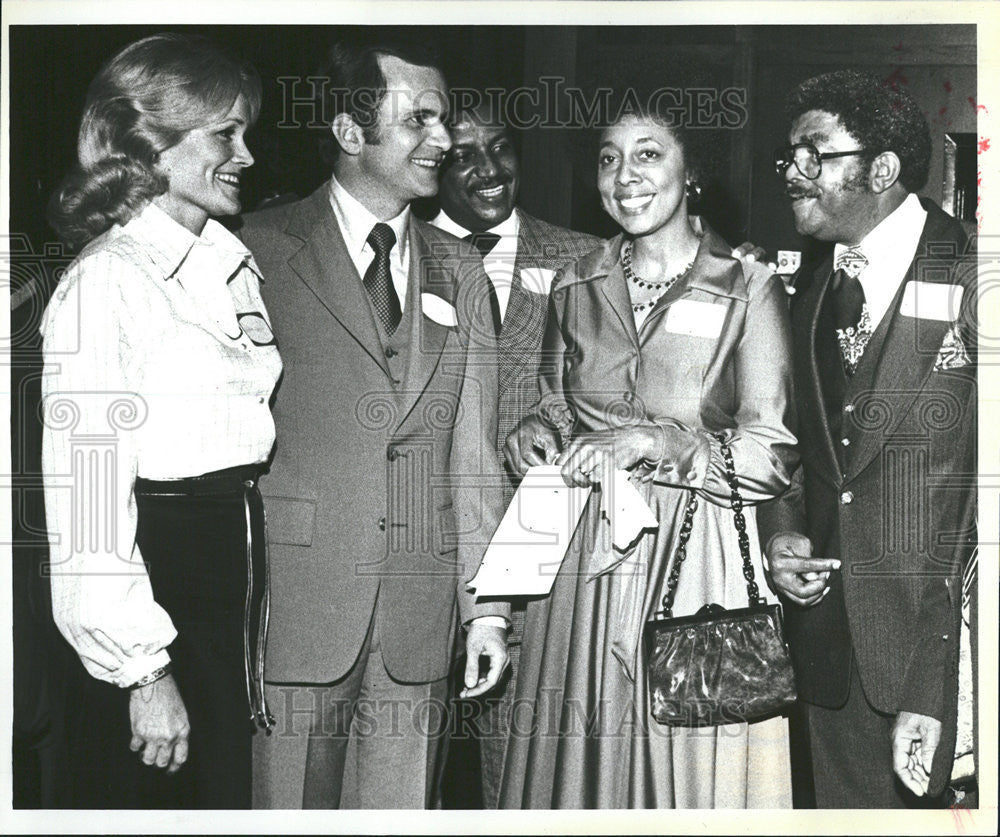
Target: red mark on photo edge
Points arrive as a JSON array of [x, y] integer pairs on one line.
[[977, 107], [984, 144], [947, 86], [979, 200], [898, 47], [960, 814]]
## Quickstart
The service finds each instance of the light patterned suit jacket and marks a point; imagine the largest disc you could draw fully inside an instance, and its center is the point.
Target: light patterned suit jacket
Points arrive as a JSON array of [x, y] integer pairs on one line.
[[540, 247]]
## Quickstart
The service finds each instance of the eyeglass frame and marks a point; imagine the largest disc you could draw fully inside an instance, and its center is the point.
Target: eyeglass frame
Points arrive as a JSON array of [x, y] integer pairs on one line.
[[788, 153]]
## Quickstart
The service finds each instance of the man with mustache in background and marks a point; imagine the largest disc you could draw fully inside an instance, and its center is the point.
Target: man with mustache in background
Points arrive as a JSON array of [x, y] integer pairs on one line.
[[384, 487], [869, 544], [521, 254]]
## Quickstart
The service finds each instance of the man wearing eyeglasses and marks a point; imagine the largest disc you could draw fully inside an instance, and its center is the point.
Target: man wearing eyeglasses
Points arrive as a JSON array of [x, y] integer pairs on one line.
[[867, 547]]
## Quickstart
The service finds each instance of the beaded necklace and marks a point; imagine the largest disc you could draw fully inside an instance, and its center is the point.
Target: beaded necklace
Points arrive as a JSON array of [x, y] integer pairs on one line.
[[661, 287]]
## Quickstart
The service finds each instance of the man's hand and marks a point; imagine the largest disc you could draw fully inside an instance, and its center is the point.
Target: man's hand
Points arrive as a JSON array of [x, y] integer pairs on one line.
[[750, 252], [797, 575], [532, 442], [160, 725], [484, 641], [914, 740]]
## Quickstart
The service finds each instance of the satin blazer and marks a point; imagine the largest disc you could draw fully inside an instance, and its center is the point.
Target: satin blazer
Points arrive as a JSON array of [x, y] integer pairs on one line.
[[711, 356]]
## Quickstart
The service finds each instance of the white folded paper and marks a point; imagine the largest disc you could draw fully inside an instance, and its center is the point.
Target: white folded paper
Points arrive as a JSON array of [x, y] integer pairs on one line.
[[625, 510], [531, 541]]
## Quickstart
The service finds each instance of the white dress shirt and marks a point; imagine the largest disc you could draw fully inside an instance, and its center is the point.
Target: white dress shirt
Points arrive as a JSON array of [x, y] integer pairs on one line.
[[159, 362], [499, 263], [890, 249], [356, 223]]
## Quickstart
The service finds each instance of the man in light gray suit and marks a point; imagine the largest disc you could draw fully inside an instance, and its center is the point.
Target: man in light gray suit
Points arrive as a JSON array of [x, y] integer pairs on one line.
[[384, 487], [521, 254]]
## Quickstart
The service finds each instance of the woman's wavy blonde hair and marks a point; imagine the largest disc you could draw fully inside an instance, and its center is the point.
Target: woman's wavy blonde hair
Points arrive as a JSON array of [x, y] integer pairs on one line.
[[142, 102]]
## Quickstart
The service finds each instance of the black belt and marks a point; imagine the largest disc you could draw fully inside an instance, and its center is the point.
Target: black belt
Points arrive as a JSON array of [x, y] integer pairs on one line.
[[229, 481], [237, 482]]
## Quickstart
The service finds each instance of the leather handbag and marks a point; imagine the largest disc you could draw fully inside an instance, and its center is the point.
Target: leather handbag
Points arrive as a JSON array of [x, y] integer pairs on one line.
[[718, 666]]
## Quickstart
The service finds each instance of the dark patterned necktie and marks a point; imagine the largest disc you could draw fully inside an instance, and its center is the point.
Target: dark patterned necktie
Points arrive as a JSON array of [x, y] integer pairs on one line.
[[378, 278], [854, 326], [484, 242]]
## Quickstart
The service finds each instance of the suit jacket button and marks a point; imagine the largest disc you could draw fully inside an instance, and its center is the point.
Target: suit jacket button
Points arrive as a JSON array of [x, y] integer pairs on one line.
[[848, 408], [847, 498], [845, 441], [392, 455], [381, 523], [390, 352]]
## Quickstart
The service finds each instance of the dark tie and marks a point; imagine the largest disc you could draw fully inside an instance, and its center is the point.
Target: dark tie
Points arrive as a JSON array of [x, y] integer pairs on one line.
[[378, 278], [854, 328], [484, 242]]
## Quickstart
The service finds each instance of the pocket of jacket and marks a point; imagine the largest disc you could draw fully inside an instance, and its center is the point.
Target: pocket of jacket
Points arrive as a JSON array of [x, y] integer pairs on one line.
[[290, 521]]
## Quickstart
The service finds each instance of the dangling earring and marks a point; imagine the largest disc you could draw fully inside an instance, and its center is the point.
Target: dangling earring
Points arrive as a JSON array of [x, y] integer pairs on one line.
[[693, 191]]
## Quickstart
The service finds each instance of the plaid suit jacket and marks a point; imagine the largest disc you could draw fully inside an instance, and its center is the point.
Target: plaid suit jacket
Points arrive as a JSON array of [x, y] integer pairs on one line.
[[540, 246]]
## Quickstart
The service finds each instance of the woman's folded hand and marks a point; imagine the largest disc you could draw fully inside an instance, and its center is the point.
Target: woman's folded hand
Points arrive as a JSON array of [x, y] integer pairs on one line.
[[160, 725], [591, 457]]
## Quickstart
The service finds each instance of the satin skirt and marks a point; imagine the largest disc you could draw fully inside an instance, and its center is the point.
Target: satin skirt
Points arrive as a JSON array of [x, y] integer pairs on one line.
[[581, 733]]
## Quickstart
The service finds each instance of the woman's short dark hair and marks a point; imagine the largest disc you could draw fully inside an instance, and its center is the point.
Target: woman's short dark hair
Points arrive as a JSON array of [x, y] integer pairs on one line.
[[353, 81], [880, 117], [698, 144], [142, 102]]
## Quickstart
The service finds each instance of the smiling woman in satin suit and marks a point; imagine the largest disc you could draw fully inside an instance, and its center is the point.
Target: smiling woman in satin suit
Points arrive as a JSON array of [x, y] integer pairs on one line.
[[655, 342]]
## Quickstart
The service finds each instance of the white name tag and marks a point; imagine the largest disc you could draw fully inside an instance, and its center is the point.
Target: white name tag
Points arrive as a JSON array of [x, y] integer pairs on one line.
[[537, 280], [695, 319], [931, 301], [439, 310]]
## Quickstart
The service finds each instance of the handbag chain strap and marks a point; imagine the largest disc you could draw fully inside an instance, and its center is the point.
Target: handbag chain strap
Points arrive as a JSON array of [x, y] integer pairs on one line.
[[739, 521]]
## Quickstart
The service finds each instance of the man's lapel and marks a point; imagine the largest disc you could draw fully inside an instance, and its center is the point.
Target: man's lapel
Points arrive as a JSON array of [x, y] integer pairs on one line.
[[524, 321], [896, 374], [325, 266], [427, 337], [810, 391]]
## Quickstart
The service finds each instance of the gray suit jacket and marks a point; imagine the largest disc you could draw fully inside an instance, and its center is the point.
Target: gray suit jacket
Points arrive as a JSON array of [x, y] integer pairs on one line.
[[385, 480]]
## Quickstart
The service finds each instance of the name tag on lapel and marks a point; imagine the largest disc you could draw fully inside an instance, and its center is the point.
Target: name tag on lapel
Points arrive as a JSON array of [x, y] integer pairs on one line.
[[931, 301], [439, 310], [695, 319], [537, 280]]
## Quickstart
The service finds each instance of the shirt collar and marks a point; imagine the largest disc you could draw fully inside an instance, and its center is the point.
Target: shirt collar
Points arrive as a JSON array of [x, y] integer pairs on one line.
[[508, 229], [889, 249], [884, 241], [169, 244], [356, 222]]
